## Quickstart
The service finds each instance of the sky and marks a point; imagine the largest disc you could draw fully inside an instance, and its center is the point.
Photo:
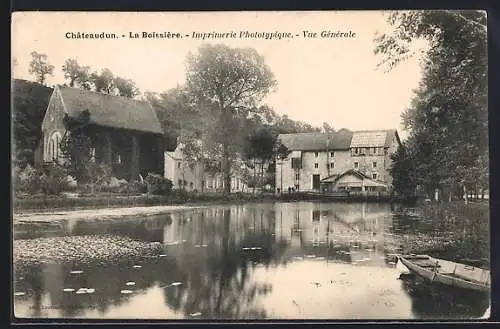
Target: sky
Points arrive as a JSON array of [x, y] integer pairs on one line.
[[334, 80]]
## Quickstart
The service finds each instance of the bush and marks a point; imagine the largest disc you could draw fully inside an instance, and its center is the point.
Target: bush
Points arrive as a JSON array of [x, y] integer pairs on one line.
[[27, 180], [157, 184], [54, 180]]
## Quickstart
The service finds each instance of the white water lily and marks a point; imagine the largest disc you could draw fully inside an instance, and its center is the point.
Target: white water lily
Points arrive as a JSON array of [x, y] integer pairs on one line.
[[85, 291], [175, 284], [124, 291], [130, 283]]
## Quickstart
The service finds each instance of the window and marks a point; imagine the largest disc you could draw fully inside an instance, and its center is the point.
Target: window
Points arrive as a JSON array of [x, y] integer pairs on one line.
[[374, 150], [297, 176], [374, 176], [374, 164], [54, 151], [356, 165], [118, 159], [316, 165], [178, 164], [332, 165], [316, 154], [332, 154], [356, 150]]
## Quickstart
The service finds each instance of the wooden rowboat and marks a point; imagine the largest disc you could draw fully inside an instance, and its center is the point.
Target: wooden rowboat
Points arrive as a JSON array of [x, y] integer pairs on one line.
[[447, 272]]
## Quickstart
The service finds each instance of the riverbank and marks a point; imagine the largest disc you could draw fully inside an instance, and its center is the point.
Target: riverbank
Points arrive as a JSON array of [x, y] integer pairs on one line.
[[40, 203]]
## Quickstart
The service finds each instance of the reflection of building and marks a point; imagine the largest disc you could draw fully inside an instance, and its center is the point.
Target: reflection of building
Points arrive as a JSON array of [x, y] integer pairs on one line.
[[316, 228], [316, 156]]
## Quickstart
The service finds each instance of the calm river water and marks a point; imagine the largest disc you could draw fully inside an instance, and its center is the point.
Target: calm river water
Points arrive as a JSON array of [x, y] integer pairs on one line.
[[257, 261]]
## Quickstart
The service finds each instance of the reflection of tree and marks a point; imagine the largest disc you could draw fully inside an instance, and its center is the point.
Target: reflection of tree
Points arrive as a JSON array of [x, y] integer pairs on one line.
[[219, 285]]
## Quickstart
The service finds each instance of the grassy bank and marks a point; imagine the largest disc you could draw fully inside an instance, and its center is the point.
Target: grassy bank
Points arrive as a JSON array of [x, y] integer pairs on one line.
[[50, 203], [114, 200], [450, 230]]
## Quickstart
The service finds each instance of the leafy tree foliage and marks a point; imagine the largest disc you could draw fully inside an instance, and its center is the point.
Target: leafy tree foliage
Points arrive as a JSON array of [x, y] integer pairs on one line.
[[29, 103], [40, 67], [76, 148], [447, 119], [227, 84], [126, 87], [104, 82], [77, 75]]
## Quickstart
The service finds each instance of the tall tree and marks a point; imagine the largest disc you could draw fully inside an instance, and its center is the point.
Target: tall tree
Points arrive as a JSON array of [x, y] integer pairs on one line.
[[226, 84], [126, 87], [104, 81], [261, 148], [327, 128], [40, 67], [447, 119], [76, 74]]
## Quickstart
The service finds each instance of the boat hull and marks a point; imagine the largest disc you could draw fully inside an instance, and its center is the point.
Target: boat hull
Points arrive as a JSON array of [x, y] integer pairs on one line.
[[448, 279]]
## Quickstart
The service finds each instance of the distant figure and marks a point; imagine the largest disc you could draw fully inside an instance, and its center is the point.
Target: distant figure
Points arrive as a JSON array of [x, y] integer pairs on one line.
[[289, 190]]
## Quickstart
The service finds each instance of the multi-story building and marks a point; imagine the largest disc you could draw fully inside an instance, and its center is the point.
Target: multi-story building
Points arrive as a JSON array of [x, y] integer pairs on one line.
[[355, 161], [185, 175]]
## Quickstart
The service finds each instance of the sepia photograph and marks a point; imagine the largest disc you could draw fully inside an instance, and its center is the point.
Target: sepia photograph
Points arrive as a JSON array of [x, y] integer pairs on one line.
[[281, 165]]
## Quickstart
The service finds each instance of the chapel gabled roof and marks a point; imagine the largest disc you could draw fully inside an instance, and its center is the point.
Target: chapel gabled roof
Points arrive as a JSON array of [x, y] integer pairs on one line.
[[110, 110]]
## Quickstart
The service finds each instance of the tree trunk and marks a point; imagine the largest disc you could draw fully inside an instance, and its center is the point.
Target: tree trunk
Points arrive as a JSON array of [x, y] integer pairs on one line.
[[254, 175], [281, 178], [226, 170]]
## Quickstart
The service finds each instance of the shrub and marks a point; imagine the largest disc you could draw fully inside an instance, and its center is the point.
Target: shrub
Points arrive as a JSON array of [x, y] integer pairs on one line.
[[135, 187], [27, 180], [54, 180], [157, 184]]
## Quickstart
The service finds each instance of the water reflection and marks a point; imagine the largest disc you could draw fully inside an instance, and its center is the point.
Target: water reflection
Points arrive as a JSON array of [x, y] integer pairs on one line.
[[289, 260]]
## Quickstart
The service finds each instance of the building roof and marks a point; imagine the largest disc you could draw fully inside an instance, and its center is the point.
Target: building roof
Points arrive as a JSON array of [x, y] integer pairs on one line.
[[375, 138], [111, 111], [368, 180], [316, 141]]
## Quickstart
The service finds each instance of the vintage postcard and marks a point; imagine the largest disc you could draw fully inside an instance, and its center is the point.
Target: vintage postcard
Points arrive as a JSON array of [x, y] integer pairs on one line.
[[250, 165]]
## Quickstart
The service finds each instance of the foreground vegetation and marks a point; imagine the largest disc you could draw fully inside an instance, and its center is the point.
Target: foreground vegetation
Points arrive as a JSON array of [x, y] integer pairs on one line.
[[447, 148]]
